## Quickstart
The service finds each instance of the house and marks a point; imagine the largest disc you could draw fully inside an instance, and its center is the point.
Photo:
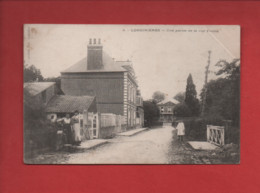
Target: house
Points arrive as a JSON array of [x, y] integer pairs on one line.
[[60, 105], [39, 93], [166, 108], [112, 82]]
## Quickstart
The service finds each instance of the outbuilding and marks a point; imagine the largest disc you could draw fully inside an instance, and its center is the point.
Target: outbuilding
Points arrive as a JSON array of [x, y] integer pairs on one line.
[[60, 105]]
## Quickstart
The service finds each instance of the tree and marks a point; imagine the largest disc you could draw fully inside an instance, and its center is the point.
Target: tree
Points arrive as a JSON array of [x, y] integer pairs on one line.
[[223, 94], [151, 112], [180, 97], [158, 96], [31, 73], [191, 97], [182, 110]]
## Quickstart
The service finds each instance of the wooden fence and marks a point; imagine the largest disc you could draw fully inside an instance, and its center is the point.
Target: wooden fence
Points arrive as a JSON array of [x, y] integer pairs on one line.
[[216, 135]]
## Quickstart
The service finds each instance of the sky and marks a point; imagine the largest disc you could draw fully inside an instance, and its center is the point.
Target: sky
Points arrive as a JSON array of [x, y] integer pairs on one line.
[[162, 55]]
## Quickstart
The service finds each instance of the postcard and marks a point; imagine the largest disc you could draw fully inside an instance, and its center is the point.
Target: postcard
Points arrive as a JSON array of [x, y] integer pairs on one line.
[[131, 94]]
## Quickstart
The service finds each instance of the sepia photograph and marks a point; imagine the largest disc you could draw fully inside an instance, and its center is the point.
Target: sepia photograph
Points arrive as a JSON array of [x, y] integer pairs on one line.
[[131, 94]]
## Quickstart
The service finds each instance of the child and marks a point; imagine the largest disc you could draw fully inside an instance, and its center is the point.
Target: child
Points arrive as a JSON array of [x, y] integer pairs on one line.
[[180, 130]]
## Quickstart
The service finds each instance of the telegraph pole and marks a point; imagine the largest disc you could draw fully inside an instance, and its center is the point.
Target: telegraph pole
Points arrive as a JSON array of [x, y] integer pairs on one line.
[[205, 85]]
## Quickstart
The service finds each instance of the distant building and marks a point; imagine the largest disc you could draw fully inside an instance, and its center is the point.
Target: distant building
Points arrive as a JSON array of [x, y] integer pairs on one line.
[[166, 108], [112, 82]]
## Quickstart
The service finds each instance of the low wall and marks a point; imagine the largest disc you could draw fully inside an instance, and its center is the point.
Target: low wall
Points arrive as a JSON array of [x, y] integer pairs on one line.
[[107, 132], [110, 132]]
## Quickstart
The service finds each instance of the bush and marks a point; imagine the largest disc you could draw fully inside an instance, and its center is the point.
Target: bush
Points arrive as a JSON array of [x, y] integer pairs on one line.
[[182, 110], [196, 129], [39, 133]]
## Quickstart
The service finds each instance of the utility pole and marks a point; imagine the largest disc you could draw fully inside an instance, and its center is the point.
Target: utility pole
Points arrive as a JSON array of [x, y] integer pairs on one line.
[[205, 85]]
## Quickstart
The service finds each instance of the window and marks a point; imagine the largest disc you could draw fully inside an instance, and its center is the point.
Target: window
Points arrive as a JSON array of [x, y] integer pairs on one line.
[[162, 109], [95, 122], [169, 109]]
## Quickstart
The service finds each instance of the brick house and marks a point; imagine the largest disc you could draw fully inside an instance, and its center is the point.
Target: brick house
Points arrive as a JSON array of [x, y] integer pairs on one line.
[[112, 82]]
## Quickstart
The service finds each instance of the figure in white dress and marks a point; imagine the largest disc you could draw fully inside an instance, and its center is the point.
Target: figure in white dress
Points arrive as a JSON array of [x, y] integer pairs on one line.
[[180, 130], [76, 128]]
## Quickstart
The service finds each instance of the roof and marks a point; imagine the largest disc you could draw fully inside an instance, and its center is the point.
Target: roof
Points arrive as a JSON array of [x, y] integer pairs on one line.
[[109, 65], [168, 101], [69, 104], [35, 88]]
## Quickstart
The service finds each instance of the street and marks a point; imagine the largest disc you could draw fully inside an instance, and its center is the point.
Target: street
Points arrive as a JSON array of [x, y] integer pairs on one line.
[[158, 145], [148, 147]]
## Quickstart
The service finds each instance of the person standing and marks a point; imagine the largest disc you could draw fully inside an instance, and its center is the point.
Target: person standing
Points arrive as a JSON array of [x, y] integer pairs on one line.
[[76, 128], [180, 130], [67, 128]]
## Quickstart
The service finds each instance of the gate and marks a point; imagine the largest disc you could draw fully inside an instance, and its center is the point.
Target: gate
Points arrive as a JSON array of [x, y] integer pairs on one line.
[[216, 135]]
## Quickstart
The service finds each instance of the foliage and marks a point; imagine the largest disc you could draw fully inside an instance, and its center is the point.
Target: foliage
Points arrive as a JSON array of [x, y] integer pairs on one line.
[[223, 94], [39, 133], [182, 110], [158, 96], [31, 73], [151, 112], [180, 97], [191, 97]]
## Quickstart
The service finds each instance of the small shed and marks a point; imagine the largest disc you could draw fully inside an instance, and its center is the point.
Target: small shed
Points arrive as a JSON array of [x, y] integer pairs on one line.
[[60, 105]]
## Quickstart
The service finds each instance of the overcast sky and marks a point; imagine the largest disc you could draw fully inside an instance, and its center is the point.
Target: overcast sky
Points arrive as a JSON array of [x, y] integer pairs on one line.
[[162, 59]]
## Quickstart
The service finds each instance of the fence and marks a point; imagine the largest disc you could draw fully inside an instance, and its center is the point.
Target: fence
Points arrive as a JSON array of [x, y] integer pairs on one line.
[[216, 135]]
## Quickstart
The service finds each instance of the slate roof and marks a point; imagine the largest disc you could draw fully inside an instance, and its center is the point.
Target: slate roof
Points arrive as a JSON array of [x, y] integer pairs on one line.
[[168, 101], [109, 66], [69, 104], [35, 88]]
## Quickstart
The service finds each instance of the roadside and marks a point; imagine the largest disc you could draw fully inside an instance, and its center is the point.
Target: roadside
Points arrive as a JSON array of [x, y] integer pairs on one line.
[[63, 155], [158, 145], [183, 153]]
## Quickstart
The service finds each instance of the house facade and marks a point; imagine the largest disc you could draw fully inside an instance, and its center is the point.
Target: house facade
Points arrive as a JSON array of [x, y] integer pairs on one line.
[[112, 82], [166, 108]]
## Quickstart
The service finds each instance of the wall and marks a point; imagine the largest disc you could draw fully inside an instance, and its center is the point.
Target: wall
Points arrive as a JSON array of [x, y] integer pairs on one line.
[[106, 86]]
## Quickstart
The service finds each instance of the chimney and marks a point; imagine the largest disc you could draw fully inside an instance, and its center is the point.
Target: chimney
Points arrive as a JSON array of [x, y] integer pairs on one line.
[[95, 59]]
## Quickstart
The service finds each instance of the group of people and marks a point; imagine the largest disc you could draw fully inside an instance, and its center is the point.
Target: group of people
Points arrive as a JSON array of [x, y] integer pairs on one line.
[[71, 129]]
